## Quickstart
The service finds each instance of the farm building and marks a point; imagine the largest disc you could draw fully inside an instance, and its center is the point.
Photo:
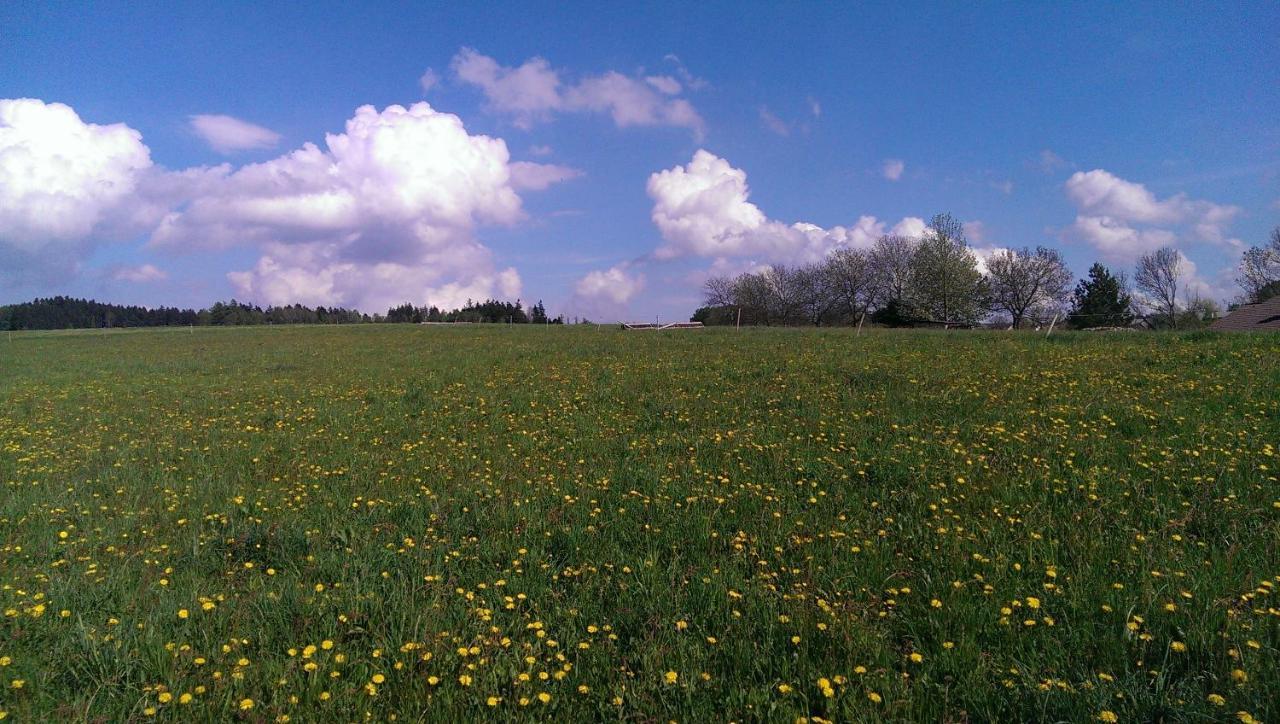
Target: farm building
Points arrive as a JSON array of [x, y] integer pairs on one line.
[[1263, 316]]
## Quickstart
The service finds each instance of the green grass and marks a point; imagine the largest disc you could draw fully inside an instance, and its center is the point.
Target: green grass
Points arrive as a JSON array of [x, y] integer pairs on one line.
[[766, 514]]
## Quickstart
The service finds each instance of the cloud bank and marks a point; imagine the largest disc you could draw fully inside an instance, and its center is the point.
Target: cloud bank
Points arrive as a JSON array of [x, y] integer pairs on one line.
[[384, 212]]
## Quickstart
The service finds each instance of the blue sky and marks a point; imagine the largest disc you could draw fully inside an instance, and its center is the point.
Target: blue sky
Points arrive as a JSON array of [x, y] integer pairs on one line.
[[1103, 130]]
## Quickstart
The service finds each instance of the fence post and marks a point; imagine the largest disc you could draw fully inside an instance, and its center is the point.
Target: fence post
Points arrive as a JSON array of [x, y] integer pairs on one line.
[[1051, 323]]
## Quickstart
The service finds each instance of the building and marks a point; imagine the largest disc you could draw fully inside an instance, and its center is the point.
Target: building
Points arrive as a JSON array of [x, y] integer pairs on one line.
[[1260, 317]]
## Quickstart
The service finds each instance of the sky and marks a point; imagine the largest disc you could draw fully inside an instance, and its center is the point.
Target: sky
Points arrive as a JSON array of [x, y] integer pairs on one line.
[[607, 158]]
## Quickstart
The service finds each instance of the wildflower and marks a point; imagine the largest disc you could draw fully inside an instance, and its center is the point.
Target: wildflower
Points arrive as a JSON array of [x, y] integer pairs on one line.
[[1108, 716], [670, 677], [246, 704]]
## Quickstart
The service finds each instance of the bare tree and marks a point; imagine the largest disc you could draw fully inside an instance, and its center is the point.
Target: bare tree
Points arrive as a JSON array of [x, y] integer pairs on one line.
[[785, 293], [850, 280], [815, 295], [718, 292], [1158, 276], [891, 263], [1260, 269], [1026, 283]]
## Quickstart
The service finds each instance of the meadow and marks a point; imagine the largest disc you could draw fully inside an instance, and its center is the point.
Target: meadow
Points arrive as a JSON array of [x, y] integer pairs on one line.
[[393, 522]]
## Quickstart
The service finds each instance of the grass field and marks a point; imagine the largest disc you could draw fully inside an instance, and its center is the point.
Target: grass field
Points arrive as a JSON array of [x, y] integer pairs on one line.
[[377, 522]]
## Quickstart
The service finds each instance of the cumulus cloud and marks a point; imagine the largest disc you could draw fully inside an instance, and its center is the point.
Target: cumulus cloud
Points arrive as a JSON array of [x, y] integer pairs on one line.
[[60, 180], [1117, 240], [615, 284], [1123, 219], [226, 134], [60, 176], [893, 168], [139, 274], [605, 294], [1098, 192], [385, 212], [534, 91], [703, 209]]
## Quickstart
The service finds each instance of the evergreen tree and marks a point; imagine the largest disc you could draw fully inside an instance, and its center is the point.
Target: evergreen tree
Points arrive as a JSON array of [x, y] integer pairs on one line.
[[1101, 301], [538, 314]]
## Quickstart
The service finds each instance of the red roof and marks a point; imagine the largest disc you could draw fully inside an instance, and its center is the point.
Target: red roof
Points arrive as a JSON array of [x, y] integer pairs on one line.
[[1262, 316]]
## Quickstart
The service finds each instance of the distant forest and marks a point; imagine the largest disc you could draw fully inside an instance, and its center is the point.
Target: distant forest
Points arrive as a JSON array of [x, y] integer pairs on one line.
[[70, 313]]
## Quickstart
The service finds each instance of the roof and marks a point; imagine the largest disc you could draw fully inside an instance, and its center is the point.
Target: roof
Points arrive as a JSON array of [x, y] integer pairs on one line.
[[1250, 317]]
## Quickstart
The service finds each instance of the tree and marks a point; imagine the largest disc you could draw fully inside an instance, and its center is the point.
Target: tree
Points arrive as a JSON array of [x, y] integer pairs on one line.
[[538, 314], [1101, 300], [1199, 312], [815, 298], [715, 316], [1025, 283], [850, 281], [947, 284], [1158, 276], [1260, 269], [891, 264]]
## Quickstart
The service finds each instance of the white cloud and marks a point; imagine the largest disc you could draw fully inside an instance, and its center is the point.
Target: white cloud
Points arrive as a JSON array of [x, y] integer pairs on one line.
[[615, 284], [702, 209], [911, 226], [815, 107], [526, 175], [893, 168], [139, 274], [1005, 187], [540, 151], [60, 180], [529, 92], [983, 254], [385, 213], [533, 91], [429, 80], [1123, 219], [1118, 241], [226, 134], [773, 123], [664, 84], [1100, 193]]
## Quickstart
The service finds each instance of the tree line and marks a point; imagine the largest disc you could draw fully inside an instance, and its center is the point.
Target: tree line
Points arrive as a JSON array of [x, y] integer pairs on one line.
[[490, 311], [70, 313], [936, 280]]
